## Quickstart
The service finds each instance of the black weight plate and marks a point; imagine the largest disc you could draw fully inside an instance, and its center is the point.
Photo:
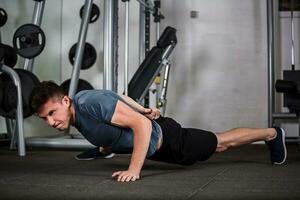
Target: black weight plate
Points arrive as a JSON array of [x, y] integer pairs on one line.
[[8, 106], [29, 40], [9, 56], [89, 55], [82, 85], [94, 14], [3, 17]]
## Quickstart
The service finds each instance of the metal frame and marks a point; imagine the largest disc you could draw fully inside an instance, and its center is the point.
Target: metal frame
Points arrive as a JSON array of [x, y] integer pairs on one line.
[[147, 28], [80, 47], [110, 42], [19, 114], [142, 21], [60, 141], [162, 102], [17, 127], [8, 122], [271, 63], [272, 115], [126, 52], [158, 85], [147, 4]]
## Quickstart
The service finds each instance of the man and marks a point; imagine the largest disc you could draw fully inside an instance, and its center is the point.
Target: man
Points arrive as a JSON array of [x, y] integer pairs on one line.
[[120, 125]]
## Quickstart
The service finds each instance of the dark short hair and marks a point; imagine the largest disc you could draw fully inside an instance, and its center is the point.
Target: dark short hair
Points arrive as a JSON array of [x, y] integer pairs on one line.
[[43, 92]]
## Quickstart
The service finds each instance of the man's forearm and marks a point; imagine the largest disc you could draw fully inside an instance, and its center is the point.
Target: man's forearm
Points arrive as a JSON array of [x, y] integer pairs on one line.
[[139, 108], [141, 141]]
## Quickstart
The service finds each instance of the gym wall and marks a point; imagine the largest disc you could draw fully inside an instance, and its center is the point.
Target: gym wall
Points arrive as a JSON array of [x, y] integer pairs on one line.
[[219, 77]]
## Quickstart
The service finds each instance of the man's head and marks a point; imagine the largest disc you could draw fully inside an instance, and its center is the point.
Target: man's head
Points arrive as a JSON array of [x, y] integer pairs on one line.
[[50, 103]]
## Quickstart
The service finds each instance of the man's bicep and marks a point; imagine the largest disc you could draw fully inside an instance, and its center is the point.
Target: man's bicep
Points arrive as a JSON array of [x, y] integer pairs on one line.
[[124, 116]]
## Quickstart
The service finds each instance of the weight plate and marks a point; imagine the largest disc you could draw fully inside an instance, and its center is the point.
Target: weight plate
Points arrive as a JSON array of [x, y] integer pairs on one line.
[[89, 55], [29, 40], [82, 85], [9, 56], [94, 14], [3, 17]]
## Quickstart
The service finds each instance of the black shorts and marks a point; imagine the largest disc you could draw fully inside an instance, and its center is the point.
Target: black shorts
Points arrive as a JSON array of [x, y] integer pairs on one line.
[[183, 146]]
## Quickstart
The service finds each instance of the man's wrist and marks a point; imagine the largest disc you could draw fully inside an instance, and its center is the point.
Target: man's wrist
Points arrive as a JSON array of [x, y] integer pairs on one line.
[[134, 169]]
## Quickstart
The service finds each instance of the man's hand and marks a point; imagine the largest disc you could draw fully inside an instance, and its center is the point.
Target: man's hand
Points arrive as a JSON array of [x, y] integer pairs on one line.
[[152, 113], [126, 176]]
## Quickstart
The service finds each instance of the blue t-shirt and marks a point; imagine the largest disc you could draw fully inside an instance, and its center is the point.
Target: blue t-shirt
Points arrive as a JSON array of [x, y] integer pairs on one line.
[[93, 113]]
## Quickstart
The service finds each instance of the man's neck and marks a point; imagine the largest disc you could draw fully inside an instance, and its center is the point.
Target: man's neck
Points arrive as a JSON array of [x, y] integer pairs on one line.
[[72, 119]]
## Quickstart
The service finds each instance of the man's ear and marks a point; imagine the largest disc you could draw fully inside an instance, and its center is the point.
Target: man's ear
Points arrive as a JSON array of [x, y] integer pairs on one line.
[[66, 100]]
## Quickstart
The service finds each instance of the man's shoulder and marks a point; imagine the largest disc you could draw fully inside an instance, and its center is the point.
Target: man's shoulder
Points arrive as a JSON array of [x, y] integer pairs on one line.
[[93, 95], [85, 93]]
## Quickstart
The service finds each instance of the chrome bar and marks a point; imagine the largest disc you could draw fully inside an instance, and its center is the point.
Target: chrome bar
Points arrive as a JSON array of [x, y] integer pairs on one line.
[[158, 85], [37, 20], [284, 116], [126, 56], [110, 45], [19, 114], [12, 124], [292, 35], [142, 34], [163, 96], [80, 47], [9, 128], [271, 66], [59, 142]]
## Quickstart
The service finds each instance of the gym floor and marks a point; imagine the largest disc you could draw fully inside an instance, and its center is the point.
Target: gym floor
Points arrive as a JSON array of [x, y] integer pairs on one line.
[[243, 173]]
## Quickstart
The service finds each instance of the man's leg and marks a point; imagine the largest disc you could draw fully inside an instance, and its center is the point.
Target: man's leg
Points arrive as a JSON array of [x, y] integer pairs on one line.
[[274, 138], [240, 136]]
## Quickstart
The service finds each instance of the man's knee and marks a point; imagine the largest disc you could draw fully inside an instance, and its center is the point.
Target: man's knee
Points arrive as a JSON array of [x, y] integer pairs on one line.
[[224, 143], [220, 148]]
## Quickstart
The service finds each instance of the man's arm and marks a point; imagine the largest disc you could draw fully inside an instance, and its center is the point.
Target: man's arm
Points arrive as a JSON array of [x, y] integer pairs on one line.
[[139, 108], [151, 113], [125, 117]]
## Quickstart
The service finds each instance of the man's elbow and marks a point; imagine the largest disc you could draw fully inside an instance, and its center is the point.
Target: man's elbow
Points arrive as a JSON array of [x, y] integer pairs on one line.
[[144, 123]]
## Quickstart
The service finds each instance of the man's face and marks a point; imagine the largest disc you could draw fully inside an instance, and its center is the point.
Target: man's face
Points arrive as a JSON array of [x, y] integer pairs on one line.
[[56, 112]]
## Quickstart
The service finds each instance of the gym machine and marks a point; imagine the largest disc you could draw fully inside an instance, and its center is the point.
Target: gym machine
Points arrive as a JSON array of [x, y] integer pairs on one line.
[[290, 85], [148, 7], [152, 65]]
